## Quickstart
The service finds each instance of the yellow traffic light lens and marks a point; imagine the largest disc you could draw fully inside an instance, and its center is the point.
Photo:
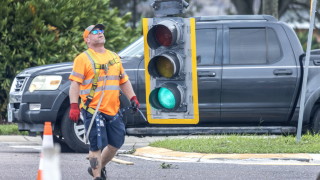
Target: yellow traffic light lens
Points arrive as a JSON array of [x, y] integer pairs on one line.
[[166, 98], [165, 67], [163, 35]]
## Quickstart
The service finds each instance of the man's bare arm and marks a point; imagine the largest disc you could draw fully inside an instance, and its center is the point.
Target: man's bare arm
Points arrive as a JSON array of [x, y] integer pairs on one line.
[[127, 89], [74, 92]]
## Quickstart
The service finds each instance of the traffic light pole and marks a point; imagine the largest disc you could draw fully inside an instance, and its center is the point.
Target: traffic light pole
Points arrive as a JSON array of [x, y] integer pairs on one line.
[[164, 8], [306, 69]]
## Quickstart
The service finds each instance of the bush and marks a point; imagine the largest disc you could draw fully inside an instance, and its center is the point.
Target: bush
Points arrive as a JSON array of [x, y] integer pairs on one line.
[[38, 32], [303, 37]]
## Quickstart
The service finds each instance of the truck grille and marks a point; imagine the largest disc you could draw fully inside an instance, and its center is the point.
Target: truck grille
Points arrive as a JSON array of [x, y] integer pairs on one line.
[[20, 81]]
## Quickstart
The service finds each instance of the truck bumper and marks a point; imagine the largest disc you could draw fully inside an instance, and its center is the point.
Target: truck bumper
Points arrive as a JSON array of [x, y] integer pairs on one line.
[[24, 114], [30, 120], [31, 110]]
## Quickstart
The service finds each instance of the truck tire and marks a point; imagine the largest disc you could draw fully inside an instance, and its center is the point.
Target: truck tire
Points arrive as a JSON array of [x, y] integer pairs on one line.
[[316, 122], [57, 140], [73, 134], [63, 145]]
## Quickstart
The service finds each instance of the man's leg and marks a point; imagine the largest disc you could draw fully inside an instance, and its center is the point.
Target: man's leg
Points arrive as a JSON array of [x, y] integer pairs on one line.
[[107, 154], [95, 162], [94, 149], [115, 130]]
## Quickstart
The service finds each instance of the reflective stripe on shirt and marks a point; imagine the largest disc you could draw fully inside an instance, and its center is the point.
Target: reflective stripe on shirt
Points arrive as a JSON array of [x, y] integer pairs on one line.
[[101, 78], [73, 73], [108, 87]]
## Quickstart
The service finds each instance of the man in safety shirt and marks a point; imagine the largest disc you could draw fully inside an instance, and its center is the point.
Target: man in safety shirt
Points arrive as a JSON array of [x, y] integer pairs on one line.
[[107, 131]]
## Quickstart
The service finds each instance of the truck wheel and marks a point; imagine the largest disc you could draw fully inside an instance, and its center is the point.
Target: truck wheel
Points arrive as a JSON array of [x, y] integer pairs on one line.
[[73, 134], [316, 122]]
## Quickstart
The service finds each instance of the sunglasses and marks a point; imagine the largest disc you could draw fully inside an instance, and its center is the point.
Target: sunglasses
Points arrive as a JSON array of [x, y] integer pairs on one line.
[[97, 31]]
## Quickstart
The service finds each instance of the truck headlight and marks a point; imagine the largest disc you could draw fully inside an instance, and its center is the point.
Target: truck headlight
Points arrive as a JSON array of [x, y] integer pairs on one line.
[[43, 83]]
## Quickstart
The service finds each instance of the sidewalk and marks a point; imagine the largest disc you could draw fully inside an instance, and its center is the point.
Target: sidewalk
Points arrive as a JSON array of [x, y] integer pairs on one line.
[[170, 155], [162, 154], [17, 139]]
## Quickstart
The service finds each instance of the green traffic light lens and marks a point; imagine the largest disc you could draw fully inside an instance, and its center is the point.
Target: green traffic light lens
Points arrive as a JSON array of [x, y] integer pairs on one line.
[[166, 98], [165, 67]]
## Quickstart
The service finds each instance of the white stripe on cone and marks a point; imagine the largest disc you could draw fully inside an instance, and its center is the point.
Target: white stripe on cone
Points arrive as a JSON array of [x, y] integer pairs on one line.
[[49, 157], [51, 163], [47, 141]]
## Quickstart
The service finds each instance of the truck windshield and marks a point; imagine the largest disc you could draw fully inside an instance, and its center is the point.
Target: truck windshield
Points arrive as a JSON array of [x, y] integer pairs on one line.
[[135, 49]]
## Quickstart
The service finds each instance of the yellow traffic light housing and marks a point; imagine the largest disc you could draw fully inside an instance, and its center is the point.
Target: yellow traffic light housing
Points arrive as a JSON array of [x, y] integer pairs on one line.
[[171, 76]]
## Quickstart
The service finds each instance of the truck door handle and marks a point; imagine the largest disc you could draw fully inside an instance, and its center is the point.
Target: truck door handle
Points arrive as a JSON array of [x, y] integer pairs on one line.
[[206, 74], [282, 72]]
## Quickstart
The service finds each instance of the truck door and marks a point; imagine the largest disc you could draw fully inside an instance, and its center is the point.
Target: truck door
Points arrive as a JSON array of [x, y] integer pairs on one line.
[[209, 58], [259, 74]]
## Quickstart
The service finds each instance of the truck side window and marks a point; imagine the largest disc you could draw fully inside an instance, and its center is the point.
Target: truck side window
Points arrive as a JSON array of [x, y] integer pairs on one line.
[[206, 43], [254, 46], [274, 48]]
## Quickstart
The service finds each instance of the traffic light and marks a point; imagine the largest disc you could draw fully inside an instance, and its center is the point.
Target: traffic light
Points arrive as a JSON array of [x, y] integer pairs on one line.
[[171, 72]]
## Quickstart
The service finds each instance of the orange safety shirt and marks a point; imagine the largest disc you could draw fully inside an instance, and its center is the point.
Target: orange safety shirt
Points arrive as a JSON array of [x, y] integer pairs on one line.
[[83, 73]]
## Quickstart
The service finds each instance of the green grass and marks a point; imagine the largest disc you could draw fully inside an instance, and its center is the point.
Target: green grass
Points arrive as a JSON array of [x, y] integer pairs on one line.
[[243, 144], [224, 144], [10, 129]]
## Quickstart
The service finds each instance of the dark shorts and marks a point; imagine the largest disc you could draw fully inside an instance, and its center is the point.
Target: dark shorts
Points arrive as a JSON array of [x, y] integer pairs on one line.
[[112, 130]]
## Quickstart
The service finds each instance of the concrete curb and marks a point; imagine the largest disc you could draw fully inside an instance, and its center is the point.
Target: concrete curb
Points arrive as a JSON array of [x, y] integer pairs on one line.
[[20, 138], [163, 154], [170, 155]]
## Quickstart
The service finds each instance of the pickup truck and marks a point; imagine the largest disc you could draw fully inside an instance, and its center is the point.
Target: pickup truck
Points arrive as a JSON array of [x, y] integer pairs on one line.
[[257, 63]]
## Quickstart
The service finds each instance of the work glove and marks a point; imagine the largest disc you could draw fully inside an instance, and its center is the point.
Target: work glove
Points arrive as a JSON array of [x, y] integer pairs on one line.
[[74, 112], [134, 103]]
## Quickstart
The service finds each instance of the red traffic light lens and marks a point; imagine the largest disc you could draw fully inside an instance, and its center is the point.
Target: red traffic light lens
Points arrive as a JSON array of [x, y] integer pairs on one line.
[[163, 35], [166, 33]]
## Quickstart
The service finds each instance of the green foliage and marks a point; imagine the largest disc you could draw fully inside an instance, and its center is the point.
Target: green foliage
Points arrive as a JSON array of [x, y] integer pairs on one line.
[[303, 37], [10, 129], [38, 32]]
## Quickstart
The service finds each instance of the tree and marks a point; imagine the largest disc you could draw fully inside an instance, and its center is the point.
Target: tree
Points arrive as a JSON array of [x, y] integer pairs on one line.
[[142, 8], [37, 32], [129, 6], [243, 6], [291, 10], [296, 9], [270, 7]]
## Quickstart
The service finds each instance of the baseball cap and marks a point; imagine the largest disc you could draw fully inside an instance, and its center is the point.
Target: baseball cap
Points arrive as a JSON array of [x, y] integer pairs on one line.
[[90, 28]]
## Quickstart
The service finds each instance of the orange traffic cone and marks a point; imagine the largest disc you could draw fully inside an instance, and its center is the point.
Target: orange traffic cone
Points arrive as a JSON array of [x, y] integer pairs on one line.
[[47, 142], [39, 176]]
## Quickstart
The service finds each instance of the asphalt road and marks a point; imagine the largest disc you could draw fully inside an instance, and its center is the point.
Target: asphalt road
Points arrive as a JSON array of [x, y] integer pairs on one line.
[[19, 159]]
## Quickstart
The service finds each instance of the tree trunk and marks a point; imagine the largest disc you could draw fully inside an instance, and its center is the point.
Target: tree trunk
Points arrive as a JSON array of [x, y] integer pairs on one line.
[[270, 7], [134, 14], [243, 6], [283, 6]]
